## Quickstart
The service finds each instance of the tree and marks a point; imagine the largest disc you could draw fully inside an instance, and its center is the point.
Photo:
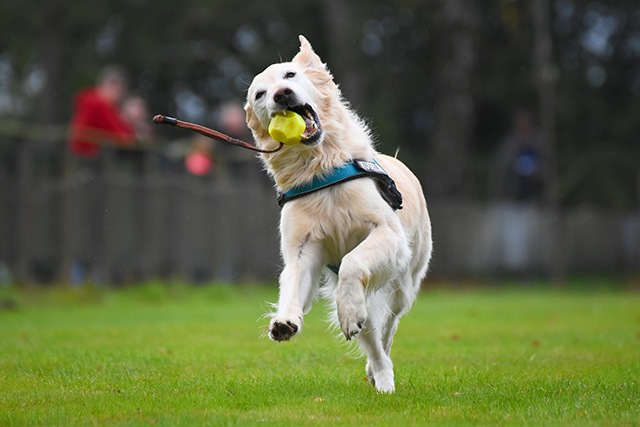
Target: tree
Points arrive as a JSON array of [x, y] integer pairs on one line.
[[436, 79], [453, 104]]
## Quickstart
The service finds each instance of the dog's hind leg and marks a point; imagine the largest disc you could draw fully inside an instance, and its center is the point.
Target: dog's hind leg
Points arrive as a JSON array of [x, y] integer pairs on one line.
[[388, 332], [379, 365], [401, 301]]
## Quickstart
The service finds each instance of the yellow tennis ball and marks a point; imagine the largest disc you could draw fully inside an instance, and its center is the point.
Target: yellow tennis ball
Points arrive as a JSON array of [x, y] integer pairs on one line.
[[287, 127]]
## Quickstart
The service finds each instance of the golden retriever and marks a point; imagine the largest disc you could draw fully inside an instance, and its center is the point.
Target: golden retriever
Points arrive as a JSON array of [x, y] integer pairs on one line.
[[379, 252]]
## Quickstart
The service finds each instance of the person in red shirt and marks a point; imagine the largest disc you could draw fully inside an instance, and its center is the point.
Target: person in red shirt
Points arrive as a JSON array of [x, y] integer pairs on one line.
[[97, 125], [97, 119]]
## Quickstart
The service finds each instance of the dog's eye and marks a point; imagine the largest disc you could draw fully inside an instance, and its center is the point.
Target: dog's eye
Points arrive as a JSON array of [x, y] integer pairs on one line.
[[260, 94], [290, 75]]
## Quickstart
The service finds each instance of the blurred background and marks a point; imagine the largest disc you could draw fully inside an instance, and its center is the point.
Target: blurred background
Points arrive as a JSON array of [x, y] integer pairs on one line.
[[521, 118]]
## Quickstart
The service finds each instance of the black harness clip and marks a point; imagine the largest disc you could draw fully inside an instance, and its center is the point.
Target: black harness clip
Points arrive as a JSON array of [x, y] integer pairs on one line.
[[386, 185]]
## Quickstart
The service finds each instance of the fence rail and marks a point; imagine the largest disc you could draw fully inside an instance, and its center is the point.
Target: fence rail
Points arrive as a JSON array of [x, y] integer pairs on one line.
[[132, 216], [123, 222]]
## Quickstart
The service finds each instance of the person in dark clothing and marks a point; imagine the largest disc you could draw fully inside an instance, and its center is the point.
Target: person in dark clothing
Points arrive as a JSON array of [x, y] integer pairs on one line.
[[520, 166]]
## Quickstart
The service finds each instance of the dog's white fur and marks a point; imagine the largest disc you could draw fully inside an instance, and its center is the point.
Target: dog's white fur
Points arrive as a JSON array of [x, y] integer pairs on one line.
[[383, 254]]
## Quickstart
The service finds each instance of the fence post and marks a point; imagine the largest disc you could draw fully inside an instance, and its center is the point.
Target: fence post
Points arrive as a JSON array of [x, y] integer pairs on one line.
[[24, 180]]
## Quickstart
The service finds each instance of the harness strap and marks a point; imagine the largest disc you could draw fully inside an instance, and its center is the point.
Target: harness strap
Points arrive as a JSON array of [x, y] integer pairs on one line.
[[351, 170]]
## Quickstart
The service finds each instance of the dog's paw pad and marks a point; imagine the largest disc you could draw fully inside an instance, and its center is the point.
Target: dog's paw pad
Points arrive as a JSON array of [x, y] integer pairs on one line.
[[352, 329], [282, 331]]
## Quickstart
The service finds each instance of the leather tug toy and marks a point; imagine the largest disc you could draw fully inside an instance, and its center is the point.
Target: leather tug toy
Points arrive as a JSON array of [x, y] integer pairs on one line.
[[210, 133]]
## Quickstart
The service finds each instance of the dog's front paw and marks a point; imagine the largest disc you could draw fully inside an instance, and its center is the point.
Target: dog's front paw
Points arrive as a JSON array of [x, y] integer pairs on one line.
[[351, 318], [282, 330]]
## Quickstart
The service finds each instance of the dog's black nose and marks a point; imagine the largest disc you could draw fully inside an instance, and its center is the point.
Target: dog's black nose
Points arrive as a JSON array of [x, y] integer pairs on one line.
[[284, 96]]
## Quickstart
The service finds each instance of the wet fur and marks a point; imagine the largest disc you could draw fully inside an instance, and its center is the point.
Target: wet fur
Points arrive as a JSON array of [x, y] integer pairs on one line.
[[383, 254]]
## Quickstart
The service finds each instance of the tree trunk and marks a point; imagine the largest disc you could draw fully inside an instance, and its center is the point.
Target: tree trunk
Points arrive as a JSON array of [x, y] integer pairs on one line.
[[52, 58], [546, 75], [343, 43], [454, 107]]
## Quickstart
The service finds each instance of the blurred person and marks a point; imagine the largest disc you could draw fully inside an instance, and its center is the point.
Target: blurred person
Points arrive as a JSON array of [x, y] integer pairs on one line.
[[519, 167], [97, 118], [96, 123], [136, 164], [232, 120], [136, 113], [199, 158], [240, 164]]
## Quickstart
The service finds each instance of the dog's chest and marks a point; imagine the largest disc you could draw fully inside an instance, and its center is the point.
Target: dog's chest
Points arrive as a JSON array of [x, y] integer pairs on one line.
[[340, 243], [339, 218], [341, 233]]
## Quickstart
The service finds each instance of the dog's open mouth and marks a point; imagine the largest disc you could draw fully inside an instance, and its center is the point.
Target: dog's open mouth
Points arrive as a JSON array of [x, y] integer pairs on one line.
[[313, 130]]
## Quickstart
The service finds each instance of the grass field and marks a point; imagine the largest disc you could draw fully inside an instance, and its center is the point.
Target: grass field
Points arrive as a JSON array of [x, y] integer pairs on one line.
[[180, 355]]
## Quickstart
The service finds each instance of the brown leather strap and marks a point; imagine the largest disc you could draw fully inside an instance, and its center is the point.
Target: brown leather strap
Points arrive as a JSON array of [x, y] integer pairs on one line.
[[165, 120]]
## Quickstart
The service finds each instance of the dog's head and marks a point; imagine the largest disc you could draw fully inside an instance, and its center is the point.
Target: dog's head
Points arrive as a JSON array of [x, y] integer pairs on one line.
[[303, 85]]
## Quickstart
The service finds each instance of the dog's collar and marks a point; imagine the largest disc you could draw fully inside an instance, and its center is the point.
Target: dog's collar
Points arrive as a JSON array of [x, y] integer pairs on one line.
[[351, 170]]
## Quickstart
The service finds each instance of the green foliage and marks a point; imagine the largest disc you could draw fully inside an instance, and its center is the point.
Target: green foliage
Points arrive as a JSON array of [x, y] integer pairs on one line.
[[386, 58], [176, 355]]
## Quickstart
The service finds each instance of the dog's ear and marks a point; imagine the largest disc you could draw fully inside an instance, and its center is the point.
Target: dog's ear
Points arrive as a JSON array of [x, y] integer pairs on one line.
[[306, 57], [259, 132]]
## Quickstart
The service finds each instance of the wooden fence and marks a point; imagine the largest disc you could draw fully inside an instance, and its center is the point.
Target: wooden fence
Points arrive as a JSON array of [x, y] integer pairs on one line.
[[526, 240], [127, 223], [126, 219]]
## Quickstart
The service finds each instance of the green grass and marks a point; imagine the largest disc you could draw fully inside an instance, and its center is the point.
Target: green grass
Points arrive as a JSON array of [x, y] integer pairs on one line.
[[177, 355]]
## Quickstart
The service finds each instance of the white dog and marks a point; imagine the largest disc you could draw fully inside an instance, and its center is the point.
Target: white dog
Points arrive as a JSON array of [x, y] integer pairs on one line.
[[362, 225]]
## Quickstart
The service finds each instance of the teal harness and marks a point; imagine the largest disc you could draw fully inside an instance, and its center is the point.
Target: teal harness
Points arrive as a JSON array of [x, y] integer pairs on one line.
[[350, 171]]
